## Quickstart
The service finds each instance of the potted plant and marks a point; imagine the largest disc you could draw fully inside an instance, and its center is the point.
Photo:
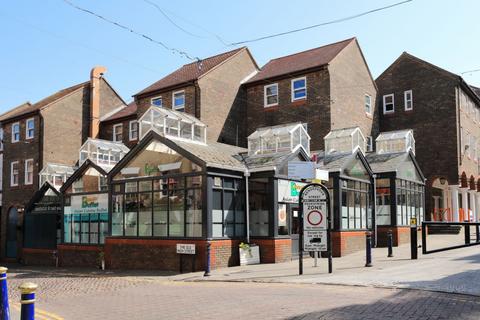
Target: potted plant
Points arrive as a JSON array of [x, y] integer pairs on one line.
[[249, 254]]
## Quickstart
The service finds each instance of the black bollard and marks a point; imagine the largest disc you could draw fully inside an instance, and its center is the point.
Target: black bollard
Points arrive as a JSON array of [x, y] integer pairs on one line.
[[390, 243], [413, 242], [368, 239], [207, 266], [477, 231], [467, 233]]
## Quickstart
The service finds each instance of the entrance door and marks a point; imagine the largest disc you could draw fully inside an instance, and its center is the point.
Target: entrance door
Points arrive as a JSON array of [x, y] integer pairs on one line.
[[294, 231], [12, 233]]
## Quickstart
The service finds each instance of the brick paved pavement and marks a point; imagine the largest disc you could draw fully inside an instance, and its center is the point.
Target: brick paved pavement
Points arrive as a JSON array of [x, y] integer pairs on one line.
[[81, 295]]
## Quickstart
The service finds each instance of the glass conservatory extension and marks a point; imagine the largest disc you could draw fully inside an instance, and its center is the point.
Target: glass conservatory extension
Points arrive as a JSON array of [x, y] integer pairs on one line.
[[395, 141], [102, 152], [344, 141], [280, 138], [55, 174], [173, 124]]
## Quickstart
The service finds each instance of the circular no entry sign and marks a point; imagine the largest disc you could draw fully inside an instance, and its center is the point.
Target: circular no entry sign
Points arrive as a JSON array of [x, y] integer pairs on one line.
[[315, 217]]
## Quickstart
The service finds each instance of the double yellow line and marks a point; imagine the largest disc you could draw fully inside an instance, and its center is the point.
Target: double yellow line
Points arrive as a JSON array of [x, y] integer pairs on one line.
[[40, 314]]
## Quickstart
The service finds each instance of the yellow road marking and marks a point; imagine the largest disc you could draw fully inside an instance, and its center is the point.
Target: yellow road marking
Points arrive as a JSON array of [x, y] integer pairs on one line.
[[41, 314]]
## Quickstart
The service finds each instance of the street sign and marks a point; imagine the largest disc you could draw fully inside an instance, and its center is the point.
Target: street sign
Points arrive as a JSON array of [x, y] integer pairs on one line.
[[413, 222], [315, 222], [183, 248], [315, 219], [299, 170]]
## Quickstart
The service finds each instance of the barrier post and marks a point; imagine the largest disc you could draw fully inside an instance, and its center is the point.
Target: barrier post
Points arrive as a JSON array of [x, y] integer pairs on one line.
[[467, 233], [477, 231], [413, 242], [390, 243], [27, 300], [207, 267], [4, 307], [424, 237], [368, 247]]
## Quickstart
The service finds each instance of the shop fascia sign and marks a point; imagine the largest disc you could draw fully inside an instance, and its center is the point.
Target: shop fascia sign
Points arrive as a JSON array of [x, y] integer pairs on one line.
[[306, 170], [94, 203], [288, 191]]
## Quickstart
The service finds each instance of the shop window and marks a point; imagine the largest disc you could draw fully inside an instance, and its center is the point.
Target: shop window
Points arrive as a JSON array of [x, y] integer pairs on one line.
[[228, 210], [410, 197], [259, 207], [355, 206], [299, 89]]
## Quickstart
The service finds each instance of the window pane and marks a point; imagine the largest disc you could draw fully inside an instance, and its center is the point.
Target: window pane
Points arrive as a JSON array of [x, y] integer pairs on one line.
[[131, 207], [177, 214], [94, 228], [117, 215], [194, 213], [160, 214], [299, 84]]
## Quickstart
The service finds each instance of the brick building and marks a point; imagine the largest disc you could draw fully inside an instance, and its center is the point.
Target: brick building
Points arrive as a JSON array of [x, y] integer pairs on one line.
[[209, 90], [121, 126], [327, 88], [443, 111], [45, 136]]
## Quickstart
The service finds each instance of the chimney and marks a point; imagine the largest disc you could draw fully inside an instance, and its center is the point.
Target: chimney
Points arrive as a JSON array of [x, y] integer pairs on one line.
[[95, 76]]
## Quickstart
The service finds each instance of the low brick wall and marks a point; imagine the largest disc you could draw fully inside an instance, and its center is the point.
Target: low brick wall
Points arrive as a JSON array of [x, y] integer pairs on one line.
[[274, 250], [38, 257], [400, 235], [79, 256], [150, 254], [346, 242]]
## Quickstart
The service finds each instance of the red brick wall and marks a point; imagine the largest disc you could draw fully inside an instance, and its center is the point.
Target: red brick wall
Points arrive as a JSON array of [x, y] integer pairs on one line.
[[38, 257], [274, 250], [401, 235], [346, 242], [79, 256]]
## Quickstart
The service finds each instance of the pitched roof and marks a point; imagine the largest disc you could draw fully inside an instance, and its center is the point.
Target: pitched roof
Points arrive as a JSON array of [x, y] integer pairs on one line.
[[28, 108], [189, 72], [312, 58], [476, 90], [130, 109], [386, 162]]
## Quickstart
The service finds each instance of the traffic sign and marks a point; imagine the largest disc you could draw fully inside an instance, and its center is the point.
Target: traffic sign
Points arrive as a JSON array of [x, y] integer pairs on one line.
[[315, 219]]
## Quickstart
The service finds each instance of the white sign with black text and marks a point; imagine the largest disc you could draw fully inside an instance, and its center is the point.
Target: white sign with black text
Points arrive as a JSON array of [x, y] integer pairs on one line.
[[315, 216], [183, 248]]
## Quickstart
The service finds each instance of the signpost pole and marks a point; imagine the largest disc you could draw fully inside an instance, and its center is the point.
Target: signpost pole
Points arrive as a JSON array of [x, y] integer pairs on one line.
[[300, 236]]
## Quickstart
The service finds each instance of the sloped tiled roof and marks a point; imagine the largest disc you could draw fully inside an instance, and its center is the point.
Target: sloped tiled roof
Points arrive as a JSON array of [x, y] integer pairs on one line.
[[189, 72], [476, 90], [129, 110], [27, 107], [215, 154], [300, 61], [335, 162], [386, 162]]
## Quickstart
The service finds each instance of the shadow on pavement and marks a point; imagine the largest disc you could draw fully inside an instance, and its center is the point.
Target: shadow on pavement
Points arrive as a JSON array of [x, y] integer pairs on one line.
[[406, 304]]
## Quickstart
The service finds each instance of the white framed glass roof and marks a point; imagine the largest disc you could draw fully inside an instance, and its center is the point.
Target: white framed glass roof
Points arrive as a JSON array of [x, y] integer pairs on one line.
[[56, 174], [173, 124], [102, 152], [288, 137], [346, 140], [395, 141]]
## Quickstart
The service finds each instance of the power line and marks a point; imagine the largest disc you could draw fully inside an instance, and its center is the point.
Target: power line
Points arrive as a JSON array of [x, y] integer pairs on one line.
[[320, 24], [470, 71], [160, 43], [171, 20]]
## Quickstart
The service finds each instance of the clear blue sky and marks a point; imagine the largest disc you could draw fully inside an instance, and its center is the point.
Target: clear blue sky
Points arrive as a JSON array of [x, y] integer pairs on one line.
[[48, 45]]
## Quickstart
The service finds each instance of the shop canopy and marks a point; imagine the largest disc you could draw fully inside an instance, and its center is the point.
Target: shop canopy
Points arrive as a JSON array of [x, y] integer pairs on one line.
[[281, 138], [172, 124], [55, 174], [102, 152], [395, 141], [342, 141], [402, 165]]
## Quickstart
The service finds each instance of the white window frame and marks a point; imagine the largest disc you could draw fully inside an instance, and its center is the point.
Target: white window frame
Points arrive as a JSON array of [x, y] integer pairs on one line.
[[369, 112], [12, 184], [27, 136], [293, 89], [408, 92], [13, 132], [178, 108], [156, 98], [369, 144], [1, 139], [114, 138], [393, 103], [265, 104], [26, 172], [130, 137]]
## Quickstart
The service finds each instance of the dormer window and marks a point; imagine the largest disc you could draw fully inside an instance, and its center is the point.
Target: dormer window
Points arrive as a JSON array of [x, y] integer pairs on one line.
[[178, 100], [282, 138], [270, 95], [299, 89], [395, 142], [344, 141]]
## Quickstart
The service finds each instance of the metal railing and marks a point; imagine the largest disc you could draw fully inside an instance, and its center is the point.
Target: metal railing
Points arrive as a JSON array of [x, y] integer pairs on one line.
[[467, 236]]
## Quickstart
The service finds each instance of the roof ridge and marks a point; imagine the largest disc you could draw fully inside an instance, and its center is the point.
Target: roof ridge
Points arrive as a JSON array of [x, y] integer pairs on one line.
[[76, 86], [214, 56], [407, 54], [326, 45]]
